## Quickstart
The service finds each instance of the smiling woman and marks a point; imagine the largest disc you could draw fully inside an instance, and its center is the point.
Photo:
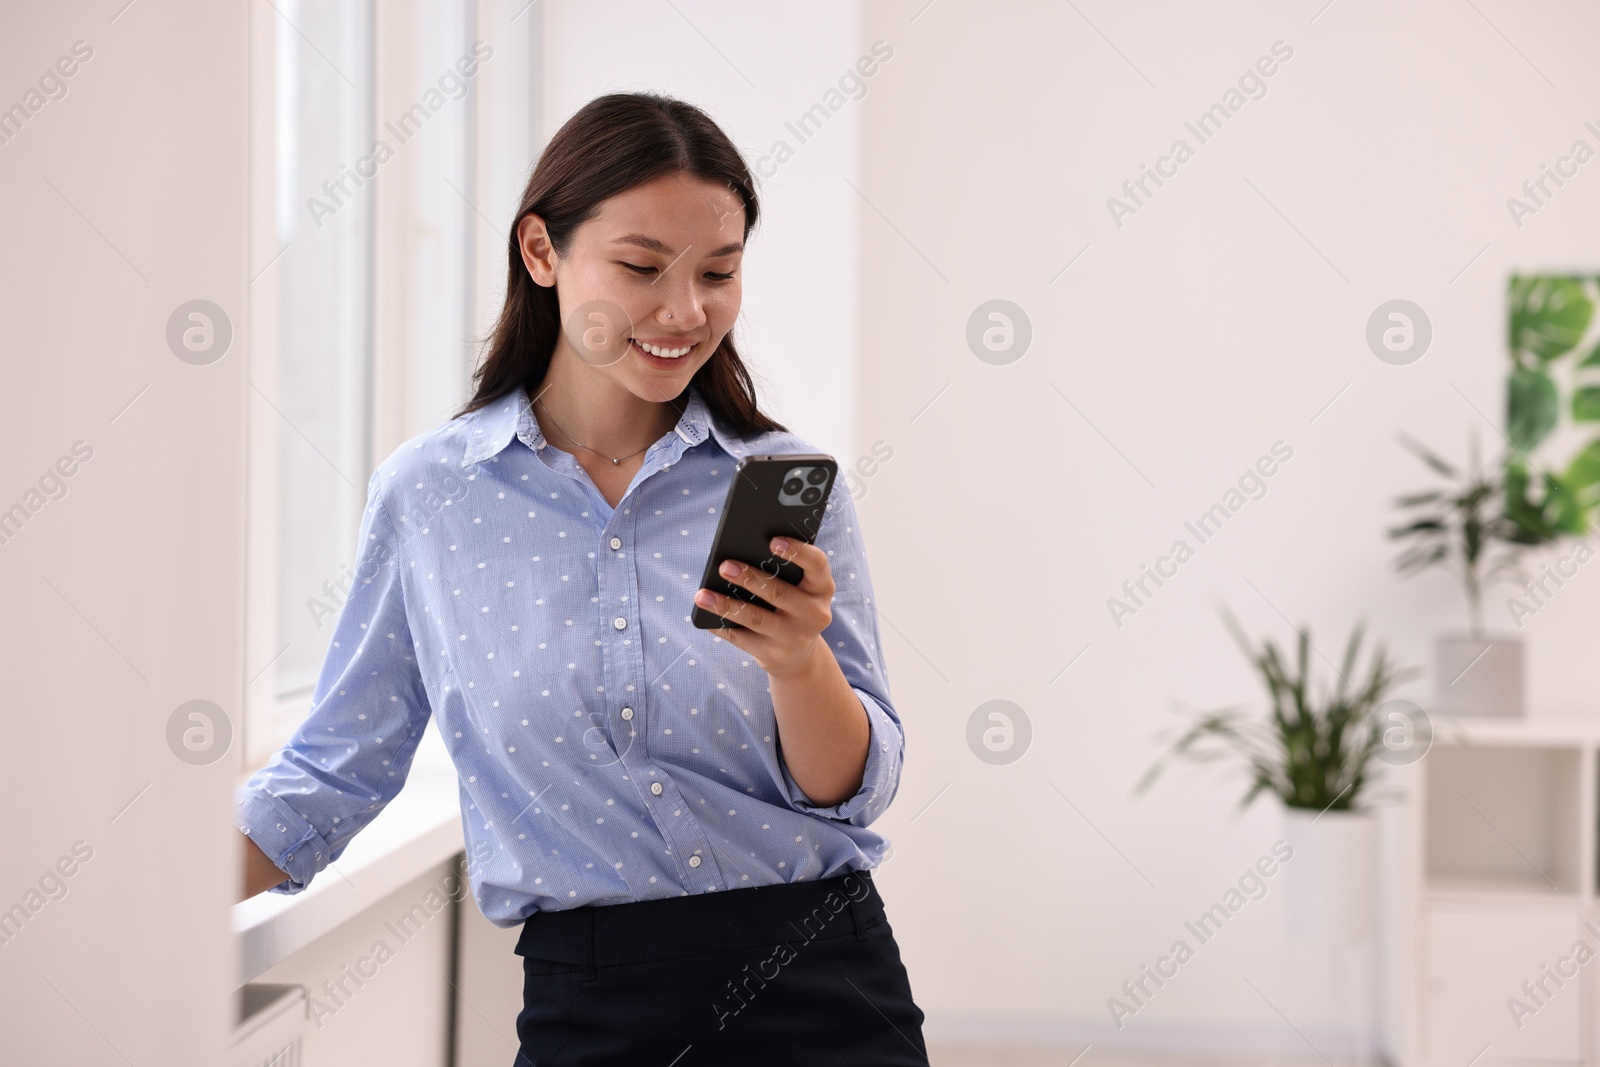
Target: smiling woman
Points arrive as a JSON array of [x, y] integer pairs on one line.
[[654, 798]]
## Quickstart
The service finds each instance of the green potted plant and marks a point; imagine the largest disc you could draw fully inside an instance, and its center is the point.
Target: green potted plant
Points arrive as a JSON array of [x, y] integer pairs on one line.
[[1467, 527], [1315, 752], [1312, 752]]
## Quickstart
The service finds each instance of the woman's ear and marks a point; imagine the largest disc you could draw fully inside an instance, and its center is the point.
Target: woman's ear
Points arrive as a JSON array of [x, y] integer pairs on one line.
[[537, 254]]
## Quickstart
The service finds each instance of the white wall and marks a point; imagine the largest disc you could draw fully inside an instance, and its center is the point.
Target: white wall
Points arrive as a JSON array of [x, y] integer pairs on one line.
[[488, 988], [1188, 341], [387, 964], [123, 597]]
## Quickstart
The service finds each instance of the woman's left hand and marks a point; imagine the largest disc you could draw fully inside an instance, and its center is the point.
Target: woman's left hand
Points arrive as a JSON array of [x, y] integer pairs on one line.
[[782, 639]]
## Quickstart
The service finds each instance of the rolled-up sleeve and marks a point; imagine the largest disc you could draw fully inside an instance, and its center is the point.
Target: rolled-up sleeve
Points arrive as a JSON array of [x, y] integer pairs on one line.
[[368, 712], [853, 638]]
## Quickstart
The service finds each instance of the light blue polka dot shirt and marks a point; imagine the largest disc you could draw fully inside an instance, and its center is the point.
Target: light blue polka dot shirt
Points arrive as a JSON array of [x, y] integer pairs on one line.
[[608, 751]]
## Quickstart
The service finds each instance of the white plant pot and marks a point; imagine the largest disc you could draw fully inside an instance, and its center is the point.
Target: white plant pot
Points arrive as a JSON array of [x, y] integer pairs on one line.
[[1478, 675], [1331, 888], [1331, 874]]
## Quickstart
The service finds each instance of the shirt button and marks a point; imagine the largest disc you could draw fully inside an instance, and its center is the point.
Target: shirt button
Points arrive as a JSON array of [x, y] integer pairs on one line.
[[694, 861], [616, 542], [620, 623], [655, 787], [627, 713]]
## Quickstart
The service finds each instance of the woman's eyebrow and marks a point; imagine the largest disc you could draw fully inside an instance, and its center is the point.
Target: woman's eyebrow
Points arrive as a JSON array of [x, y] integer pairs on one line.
[[649, 243]]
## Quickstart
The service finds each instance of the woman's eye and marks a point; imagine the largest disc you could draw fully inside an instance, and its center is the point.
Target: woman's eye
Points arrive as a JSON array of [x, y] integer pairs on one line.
[[651, 270]]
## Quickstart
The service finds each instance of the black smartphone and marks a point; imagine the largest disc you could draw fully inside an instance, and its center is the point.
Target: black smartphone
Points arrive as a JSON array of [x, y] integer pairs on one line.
[[771, 496]]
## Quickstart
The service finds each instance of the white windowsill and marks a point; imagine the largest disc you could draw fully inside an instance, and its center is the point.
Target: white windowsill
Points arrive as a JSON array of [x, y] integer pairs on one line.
[[416, 831]]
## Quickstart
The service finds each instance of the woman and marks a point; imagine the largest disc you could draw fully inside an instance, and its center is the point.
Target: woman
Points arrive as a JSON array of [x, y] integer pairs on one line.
[[677, 818]]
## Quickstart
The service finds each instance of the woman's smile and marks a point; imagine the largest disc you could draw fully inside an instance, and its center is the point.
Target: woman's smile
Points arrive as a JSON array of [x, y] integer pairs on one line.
[[663, 355]]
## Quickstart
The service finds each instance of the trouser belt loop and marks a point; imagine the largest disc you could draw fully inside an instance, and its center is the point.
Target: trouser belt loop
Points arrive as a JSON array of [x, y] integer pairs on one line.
[[858, 915], [586, 939]]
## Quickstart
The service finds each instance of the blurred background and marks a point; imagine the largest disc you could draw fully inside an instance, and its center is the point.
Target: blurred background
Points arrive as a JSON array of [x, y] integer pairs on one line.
[[1128, 320]]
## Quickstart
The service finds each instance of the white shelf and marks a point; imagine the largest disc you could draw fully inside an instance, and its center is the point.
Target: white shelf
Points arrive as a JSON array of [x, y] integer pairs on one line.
[[1487, 870], [1557, 730], [1503, 814], [1508, 889]]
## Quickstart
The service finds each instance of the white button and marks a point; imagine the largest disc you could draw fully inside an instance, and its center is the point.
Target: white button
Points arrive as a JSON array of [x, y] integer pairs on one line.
[[620, 623], [627, 713], [616, 542], [694, 861], [655, 787]]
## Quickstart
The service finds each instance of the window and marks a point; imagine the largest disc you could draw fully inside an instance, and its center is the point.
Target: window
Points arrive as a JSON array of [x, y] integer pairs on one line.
[[369, 220], [438, 235], [322, 122]]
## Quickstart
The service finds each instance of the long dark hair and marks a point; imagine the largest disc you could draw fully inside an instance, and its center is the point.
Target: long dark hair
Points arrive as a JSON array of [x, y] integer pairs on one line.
[[613, 143]]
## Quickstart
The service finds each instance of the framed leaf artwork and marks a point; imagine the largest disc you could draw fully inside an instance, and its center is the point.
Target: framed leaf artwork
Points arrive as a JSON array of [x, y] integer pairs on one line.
[[1553, 401]]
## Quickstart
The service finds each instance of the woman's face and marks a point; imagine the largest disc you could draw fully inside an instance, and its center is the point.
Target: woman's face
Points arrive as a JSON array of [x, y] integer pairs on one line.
[[658, 265]]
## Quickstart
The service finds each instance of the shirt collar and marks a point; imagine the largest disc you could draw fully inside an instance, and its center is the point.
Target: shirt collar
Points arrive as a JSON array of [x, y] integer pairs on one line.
[[511, 416]]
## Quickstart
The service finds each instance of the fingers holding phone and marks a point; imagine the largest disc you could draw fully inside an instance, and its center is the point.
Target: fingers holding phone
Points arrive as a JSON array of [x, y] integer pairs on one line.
[[810, 597], [781, 637]]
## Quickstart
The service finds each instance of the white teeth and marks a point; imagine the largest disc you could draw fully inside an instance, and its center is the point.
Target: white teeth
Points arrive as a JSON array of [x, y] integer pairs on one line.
[[664, 353]]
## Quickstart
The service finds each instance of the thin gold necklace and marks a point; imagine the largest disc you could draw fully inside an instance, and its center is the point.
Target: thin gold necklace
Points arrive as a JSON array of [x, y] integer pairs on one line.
[[597, 452]]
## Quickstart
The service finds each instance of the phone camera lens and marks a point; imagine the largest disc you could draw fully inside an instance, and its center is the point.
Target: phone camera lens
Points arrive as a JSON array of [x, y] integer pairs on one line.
[[793, 486], [811, 495], [817, 476]]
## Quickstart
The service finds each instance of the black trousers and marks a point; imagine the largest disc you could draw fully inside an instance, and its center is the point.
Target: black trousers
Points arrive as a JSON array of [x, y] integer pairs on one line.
[[798, 973]]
